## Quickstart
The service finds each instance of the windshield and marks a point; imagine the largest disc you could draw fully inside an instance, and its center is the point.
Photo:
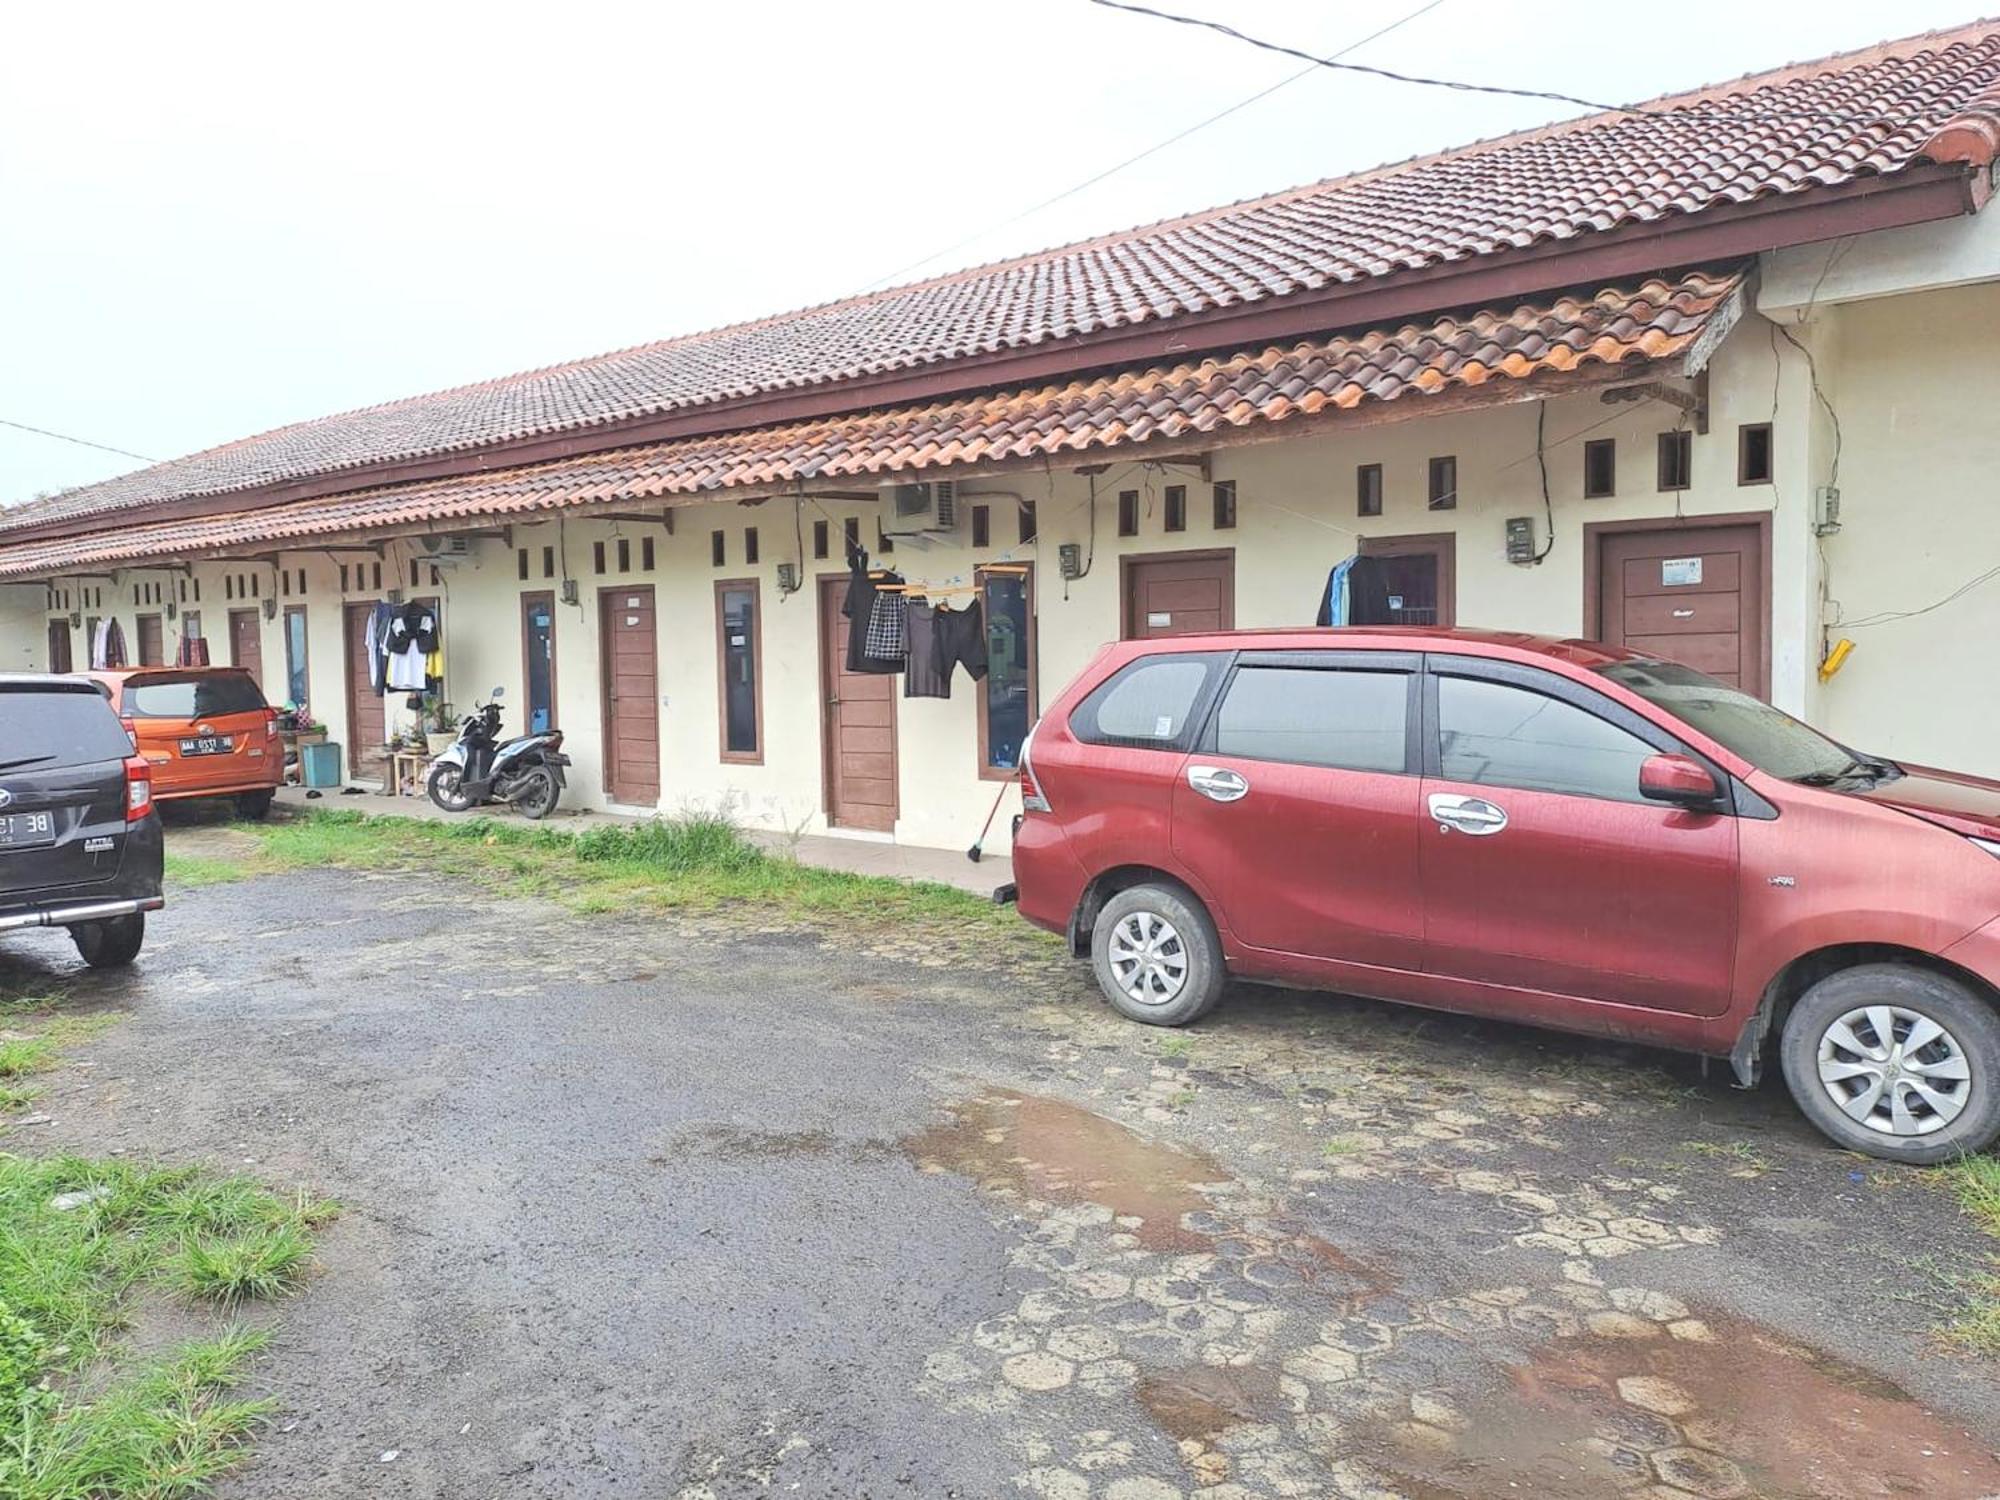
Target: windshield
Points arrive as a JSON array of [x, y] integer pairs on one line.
[[1771, 741]]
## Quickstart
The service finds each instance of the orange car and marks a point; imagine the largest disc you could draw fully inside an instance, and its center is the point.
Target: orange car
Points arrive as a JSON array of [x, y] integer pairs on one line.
[[206, 730]]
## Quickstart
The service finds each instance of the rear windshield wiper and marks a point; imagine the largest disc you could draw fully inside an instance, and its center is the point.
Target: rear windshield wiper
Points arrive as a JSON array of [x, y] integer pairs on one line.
[[26, 760]]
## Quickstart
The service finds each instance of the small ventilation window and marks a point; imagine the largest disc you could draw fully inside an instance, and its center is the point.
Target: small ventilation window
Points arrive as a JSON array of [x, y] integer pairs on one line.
[[1128, 512], [597, 557], [646, 553], [1753, 453], [718, 548], [1442, 490], [1676, 460], [1225, 505], [850, 533], [624, 554], [548, 562], [822, 539], [521, 564], [751, 550], [982, 528], [1368, 490], [1175, 509], [1028, 521], [1600, 468]]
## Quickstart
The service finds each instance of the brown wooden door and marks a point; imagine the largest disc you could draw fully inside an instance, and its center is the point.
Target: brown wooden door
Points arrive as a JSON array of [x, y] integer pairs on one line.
[[858, 732], [152, 642], [246, 643], [59, 657], [1692, 594], [366, 726], [1179, 594], [631, 677]]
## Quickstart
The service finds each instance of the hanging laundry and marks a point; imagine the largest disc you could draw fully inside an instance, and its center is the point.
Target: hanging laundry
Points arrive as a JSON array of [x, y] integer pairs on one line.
[[376, 642], [962, 639], [1333, 598], [1368, 593], [877, 637], [924, 674], [193, 652]]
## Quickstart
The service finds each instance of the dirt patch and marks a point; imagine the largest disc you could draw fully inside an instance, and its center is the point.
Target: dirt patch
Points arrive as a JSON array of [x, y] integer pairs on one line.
[[1043, 1148], [1202, 1402], [736, 1143], [1630, 1400]]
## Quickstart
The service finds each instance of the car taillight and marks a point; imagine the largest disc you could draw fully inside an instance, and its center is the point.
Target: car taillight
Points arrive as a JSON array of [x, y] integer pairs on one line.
[[1032, 799], [131, 732], [138, 788], [270, 723]]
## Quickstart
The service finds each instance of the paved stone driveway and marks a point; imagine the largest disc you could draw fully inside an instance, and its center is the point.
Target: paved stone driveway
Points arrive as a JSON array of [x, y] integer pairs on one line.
[[722, 1208]]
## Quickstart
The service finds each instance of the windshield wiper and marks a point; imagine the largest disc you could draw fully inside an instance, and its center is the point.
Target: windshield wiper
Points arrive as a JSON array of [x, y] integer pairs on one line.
[[28, 760]]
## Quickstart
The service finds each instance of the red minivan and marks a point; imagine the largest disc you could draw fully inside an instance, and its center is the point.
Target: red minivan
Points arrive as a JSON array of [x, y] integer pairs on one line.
[[206, 731], [1557, 832]]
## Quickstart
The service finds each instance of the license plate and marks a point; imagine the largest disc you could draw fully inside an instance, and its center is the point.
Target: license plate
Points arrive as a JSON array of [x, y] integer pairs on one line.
[[25, 830], [209, 744]]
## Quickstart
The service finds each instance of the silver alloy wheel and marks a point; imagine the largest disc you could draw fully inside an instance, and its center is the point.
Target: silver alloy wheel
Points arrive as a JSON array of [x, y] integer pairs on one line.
[[1148, 959], [1895, 1070]]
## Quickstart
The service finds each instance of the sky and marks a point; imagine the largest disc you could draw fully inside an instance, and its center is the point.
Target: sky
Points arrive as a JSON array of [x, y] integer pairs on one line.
[[215, 219]]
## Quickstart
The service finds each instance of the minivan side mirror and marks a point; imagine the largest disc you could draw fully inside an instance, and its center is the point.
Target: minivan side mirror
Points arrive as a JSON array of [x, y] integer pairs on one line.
[[1679, 780]]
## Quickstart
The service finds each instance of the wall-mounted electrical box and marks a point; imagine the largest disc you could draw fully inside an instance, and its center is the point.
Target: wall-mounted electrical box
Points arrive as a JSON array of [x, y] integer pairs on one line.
[[1069, 560], [1826, 510], [788, 578], [570, 594], [1520, 539]]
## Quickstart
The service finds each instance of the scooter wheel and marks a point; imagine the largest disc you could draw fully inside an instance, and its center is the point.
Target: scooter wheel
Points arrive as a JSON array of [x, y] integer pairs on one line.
[[445, 786], [538, 794]]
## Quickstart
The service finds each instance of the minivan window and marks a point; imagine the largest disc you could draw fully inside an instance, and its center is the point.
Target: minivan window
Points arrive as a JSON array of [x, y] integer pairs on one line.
[[1147, 704], [1493, 734], [192, 696], [42, 726], [1309, 716], [1769, 739]]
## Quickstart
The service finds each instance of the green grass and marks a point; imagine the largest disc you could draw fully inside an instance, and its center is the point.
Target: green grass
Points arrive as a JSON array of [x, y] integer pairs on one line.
[[28, 1054], [78, 1419], [696, 862], [192, 871], [1975, 1182], [1176, 1044]]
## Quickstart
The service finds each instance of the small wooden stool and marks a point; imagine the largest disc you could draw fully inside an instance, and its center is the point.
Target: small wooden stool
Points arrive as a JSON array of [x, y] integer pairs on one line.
[[406, 773]]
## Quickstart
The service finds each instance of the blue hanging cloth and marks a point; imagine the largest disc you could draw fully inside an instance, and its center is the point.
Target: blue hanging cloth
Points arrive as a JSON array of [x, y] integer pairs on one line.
[[1333, 601]]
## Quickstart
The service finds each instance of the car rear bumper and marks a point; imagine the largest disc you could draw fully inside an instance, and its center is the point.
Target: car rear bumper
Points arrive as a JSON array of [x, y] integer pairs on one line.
[[231, 788], [70, 913], [1048, 877]]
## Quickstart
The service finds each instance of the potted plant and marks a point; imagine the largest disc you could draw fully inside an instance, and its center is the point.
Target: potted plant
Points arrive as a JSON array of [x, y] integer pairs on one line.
[[440, 725], [306, 730]]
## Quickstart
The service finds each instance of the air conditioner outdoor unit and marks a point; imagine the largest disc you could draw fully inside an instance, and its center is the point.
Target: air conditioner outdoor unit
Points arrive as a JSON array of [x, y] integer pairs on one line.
[[916, 510], [445, 549]]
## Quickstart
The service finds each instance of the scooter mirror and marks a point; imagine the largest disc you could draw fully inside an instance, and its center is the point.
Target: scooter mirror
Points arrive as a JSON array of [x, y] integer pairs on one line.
[[499, 692]]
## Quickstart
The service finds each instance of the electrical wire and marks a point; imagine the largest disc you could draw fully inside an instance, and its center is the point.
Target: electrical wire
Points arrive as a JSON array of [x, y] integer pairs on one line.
[[1542, 461], [1152, 150], [1461, 86], [63, 437]]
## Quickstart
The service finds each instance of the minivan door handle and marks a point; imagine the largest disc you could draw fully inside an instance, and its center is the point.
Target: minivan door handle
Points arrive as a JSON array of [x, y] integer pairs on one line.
[[1474, 815], [1217, 784]]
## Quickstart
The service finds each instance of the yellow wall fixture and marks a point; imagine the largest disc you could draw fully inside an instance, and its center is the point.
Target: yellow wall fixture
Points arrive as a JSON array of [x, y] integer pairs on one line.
[[1835, 659]]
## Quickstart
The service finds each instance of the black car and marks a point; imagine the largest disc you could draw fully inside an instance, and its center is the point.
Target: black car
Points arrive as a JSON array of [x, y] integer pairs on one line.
[[80, 843]]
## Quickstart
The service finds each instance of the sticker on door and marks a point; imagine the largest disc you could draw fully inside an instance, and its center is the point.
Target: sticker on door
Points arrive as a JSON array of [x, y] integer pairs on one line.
[[1677, 571], [1159, 619]]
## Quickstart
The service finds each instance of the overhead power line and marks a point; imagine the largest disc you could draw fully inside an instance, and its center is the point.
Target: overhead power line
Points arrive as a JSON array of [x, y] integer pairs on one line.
[[1464, 87], [1158, 146], [63, 437]]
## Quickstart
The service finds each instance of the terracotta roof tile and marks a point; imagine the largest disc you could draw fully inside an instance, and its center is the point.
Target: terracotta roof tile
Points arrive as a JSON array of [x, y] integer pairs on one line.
[[1818, 125], [1655, 320]]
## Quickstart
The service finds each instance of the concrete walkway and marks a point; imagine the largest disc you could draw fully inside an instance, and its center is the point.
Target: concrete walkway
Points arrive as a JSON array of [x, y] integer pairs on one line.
[[858, 856]]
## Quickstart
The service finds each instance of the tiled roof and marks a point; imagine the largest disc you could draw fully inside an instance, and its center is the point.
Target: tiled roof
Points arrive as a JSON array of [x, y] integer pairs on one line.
[[1617, 327], [1789, 132]]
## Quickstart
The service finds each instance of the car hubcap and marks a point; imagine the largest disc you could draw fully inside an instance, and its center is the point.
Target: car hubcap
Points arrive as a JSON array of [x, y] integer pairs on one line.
[[1148, 959], [1894, 1070]]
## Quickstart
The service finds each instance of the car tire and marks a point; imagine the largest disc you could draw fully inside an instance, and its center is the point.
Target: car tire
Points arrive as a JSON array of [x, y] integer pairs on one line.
[[1941, 1099], [254, 807], [1156, 956], [111, 943]]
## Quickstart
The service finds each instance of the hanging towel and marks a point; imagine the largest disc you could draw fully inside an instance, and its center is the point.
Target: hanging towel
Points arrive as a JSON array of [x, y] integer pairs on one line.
[[1333, 599]]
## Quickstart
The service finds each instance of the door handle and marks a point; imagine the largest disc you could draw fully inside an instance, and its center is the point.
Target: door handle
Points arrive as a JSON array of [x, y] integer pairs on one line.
[[1474, 815], [1217, 784]]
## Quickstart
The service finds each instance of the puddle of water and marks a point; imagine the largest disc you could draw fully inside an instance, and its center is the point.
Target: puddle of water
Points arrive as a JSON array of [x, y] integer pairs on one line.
[[1743, 1412], [1044, 1148], [1202, 1402]]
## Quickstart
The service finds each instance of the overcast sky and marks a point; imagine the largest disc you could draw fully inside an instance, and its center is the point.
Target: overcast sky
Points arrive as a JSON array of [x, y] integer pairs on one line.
[[218, 220]]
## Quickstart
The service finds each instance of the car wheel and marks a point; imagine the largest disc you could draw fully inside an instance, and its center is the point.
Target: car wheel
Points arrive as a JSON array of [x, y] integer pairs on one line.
[[1895, 1061], [111, 943], [445, 785], [538, 794], [1157, 957], [254, 806]]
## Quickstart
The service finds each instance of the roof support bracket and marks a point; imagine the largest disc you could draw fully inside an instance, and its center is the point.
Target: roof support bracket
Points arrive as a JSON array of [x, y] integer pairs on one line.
[[1694, 402]]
